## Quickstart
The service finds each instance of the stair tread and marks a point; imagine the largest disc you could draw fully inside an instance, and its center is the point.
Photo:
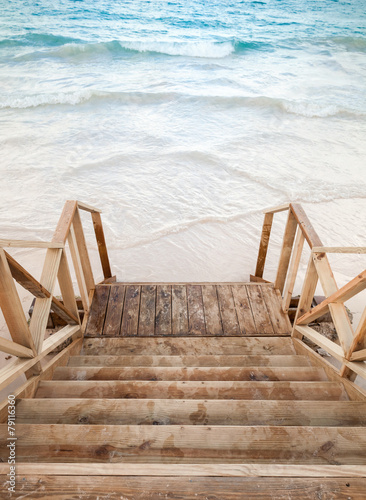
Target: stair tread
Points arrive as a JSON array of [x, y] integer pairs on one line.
[[177, 444], [190, 373], [189, 360], [192, 390], [191, 412], [190, 346]]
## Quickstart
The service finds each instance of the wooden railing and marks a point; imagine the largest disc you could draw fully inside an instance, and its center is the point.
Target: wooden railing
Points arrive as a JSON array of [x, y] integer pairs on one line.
[[351, 350], [28, 343]]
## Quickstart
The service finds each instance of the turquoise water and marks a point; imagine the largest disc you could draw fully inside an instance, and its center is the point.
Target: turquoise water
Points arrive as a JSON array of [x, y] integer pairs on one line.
[[182, 120]]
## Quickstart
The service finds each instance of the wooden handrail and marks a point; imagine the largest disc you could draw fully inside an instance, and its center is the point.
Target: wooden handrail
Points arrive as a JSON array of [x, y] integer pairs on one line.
[[298, 229], [28, 342]]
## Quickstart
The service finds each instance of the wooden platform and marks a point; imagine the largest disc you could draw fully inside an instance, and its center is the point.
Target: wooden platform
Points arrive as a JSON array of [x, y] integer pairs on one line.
[[235, 309]]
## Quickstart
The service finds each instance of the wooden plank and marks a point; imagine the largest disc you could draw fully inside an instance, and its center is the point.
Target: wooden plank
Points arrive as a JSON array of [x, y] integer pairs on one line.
[[163, 319], [338, 311], [66, 287], [147, 310], [187, 361], [345, 293], [229, 318], [357, 367], [88, 208], [190, 412], [307, 294], [98, 311], [319, 339], [17, 367], [359, 340], [305, 225], [196, 315], [359, 250], [29, 244], [15, 349], [179, 310], [102, 247], [280, 322], [154, 443], [113, 315], [359, 355], [211, 310], [277, 208], [130, 317], [323, 391], [190, 373], [83, 251], [41, 310], [191, 346], [263, 246], [255, 279], [293, 269], [28, 389], [76, 259], [243, 310], [12, 308], [260, 314], [203, 470], [354, 392], [196, 488], [63, 227], [287, 244], [27, 281]]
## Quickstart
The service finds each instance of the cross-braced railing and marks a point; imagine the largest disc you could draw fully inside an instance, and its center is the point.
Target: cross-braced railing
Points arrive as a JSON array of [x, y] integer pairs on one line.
[[28, 342], [351, 350]]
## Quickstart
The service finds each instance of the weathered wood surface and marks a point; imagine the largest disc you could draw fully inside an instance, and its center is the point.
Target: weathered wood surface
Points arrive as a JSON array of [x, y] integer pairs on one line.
[[190, 412], [189, 309], [186, 360], [187, 444], [191, 346], [38, 486], [191, 390], [191, 373]]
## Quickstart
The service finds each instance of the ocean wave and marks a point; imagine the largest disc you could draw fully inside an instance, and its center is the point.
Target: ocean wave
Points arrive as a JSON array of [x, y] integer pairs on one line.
[[38, 39], [351, 44], [199, 48], [308, 109]]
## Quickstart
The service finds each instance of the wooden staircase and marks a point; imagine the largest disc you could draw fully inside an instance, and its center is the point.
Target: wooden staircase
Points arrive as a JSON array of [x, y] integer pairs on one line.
[[183, 417], [198, 391]]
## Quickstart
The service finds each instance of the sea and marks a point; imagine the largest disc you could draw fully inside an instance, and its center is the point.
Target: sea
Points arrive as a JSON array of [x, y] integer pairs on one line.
[[182, 120]]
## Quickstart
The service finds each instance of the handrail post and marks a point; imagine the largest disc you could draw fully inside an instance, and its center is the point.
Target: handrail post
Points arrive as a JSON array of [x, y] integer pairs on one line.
[[102, 247], [307, 294], [263, 246], [288, 241]]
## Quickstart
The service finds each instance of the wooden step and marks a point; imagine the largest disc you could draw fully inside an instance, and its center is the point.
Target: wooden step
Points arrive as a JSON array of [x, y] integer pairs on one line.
[[187, 444], [189, 346], [61, 487], [190, 412], [191, 390], [187, 361], [173, 373]]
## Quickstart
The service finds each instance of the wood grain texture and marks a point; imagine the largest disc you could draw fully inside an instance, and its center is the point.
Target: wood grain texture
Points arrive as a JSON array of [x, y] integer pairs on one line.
[[190, 412], [259, 309], [130, 318], [191, 373], [192, 444], [113, 315], [179, 310], [330, 391], [147, 310], [227, 310], [243, 310], [98, 310], [163, 320], [196, 316], [191, 346], [38, 486], [211, 310]]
